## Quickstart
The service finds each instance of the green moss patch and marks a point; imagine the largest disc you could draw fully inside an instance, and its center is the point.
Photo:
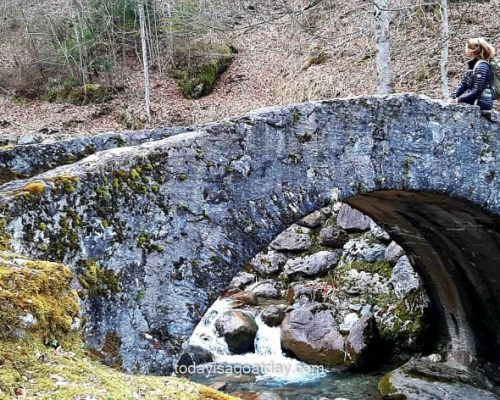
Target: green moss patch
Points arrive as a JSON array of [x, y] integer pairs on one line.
[[66, 184], [145, 241], [90, 93], [385, 387], [383, 268], [34, 188], [4, 237], [45, 358], [40, 291], [98, 281], [198, 73]]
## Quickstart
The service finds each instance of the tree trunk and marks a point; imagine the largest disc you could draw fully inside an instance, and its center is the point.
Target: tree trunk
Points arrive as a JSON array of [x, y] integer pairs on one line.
[[145, 63], [383, 46], [445, 49]]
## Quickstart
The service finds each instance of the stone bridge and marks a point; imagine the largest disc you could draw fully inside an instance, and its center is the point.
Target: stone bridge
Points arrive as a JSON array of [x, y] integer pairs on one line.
[[156, 231]]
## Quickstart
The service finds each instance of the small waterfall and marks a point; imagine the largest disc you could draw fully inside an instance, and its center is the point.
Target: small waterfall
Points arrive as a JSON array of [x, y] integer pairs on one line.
[[268, 340], [205, 334], [268, 359]]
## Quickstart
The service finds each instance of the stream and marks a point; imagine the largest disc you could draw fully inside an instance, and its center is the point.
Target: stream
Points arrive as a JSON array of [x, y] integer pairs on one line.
[[268, 371]]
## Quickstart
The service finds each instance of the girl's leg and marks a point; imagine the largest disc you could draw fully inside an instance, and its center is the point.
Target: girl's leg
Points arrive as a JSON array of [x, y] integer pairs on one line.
[[485, 105]]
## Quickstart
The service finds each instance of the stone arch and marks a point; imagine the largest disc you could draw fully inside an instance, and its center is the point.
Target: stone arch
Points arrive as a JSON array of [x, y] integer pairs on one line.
[[174, 220], [455, 247]]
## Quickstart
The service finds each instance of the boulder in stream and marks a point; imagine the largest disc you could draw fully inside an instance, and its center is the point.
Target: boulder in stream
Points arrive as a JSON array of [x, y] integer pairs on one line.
[[238, 329], [274, 314], [266, 288], [245, 298], [194, 355], [309, 333]]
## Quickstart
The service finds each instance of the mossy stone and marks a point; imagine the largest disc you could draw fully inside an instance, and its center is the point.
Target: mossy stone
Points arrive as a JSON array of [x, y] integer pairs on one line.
[[99, 282]]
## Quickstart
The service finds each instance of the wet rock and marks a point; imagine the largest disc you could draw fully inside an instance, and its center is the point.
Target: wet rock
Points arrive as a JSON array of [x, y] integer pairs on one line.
[[239, 330], [237, 379], [362, 334], [492, 371], [404, 278], [353, 220], [393, 252], [378, 232], [314, 220], [246, 297], [273, 315], [194, 355], [423, 380], [364, 250], [219, 386], [309, 333], [316, 264], [295, 238], [268, 289], [242, 279], [256, 396], [333, 236], [268, 264]]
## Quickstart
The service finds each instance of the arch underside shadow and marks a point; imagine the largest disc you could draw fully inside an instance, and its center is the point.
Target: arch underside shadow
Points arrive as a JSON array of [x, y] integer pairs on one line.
[[455, 247]]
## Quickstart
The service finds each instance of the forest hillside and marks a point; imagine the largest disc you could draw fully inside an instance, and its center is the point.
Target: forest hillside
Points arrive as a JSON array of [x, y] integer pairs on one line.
[[76, 66]]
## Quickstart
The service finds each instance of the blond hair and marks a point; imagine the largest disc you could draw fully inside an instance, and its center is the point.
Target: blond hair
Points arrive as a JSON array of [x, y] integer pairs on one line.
[[481, 48]]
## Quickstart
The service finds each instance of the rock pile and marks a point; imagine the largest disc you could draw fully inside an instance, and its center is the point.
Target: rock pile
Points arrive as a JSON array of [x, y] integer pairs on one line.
[[338, 287]]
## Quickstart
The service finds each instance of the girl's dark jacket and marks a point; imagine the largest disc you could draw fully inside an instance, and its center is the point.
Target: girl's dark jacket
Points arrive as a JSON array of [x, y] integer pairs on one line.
[[475, 87]]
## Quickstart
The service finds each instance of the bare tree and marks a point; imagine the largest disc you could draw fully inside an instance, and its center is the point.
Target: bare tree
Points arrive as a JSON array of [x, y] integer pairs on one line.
[[382, 20], [445, 48], [145, 62]]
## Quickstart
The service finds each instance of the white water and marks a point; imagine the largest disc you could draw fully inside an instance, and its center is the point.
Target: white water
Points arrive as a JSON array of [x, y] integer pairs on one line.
[[267, 340], [205, 334], [268, 361]]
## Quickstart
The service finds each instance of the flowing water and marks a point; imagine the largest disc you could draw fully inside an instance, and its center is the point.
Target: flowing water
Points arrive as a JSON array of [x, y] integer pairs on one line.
[[269, 370]]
